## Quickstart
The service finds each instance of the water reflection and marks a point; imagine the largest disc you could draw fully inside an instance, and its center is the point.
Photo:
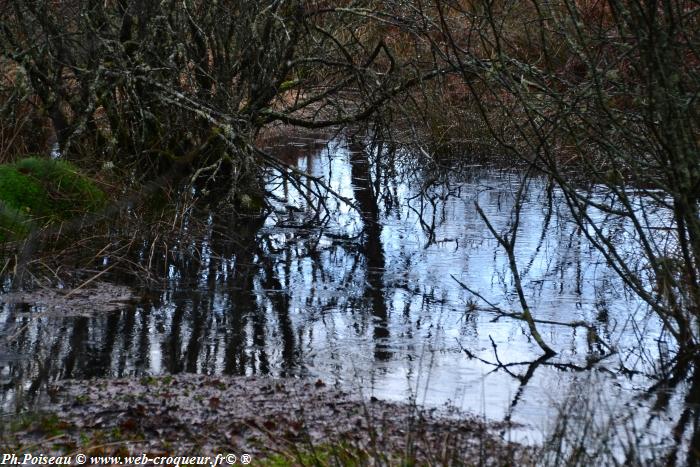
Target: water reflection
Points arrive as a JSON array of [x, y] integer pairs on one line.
[[365, 194], [366, 300]]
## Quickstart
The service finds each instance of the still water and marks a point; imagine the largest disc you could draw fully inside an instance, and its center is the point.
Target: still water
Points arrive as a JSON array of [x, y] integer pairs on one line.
[[367, 297]]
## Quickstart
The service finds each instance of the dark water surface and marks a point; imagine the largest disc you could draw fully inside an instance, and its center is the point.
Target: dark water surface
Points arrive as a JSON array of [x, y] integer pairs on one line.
[[369, 300]]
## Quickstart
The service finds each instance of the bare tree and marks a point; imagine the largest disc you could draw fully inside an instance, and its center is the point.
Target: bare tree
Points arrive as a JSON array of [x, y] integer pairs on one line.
[[157, 85], [603, 98]]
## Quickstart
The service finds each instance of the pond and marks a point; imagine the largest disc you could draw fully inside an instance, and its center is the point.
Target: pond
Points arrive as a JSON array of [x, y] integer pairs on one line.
[[372, 298]]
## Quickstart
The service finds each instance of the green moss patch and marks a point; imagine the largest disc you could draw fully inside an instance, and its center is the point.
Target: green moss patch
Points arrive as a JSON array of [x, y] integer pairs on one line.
[[36, 189], [13, 223]]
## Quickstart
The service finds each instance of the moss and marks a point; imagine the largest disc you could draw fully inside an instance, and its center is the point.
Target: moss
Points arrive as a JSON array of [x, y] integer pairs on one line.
[[35, 188], [21, 192], [13, 223], [67, 189]]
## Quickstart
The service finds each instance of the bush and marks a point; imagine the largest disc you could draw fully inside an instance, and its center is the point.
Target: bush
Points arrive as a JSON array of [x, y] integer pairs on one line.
[[42, 189], [13, 223]]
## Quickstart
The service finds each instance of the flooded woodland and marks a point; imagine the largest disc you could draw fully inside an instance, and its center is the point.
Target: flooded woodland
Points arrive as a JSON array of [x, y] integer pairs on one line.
[[473, 239], [371, 299]]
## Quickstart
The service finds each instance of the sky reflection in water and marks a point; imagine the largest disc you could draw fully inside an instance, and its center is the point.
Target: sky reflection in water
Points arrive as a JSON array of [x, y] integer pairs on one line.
[[368, 303]]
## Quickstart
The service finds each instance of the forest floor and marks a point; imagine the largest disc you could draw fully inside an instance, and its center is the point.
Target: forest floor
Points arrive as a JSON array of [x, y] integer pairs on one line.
[[274, 421]]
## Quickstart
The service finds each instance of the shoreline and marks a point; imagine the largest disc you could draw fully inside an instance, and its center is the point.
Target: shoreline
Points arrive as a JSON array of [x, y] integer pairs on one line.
[[275, 421]]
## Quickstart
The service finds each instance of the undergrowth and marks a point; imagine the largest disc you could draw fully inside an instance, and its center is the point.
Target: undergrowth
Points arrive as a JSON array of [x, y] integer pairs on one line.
[[35, 190]]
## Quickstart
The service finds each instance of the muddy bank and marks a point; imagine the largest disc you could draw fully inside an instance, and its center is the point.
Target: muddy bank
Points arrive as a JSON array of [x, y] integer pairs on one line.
[[268, 418]]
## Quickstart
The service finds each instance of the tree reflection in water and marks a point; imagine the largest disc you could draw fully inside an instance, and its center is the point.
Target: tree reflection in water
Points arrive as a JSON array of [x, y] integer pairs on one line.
[[367, 295]]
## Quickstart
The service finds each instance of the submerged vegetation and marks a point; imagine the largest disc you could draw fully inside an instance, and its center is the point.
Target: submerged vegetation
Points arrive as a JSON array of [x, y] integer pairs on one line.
[[591, 105]]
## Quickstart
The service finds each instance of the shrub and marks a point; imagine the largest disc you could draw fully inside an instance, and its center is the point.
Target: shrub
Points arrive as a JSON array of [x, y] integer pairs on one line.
[[50, 190]]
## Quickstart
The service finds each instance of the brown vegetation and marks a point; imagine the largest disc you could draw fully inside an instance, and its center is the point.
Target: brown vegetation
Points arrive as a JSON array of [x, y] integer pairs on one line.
[[293, 421]]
